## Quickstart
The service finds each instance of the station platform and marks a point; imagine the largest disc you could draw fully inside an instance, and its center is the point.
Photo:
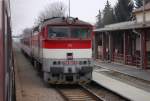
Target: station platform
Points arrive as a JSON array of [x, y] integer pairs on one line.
[[125, 69], [122, 89]]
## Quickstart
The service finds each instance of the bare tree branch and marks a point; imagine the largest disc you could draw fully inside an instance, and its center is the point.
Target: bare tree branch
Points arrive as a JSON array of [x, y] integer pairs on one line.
[[55, 9]]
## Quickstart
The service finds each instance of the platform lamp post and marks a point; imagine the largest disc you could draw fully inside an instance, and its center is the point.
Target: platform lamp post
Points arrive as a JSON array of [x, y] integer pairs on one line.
[[143, 42], [143, 12]]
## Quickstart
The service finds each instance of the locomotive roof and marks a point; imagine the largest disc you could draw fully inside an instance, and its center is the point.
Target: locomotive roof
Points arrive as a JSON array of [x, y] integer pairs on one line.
[[64, 21]]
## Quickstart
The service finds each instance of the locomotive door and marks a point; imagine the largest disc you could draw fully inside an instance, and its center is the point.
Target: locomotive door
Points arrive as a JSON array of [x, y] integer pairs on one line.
[[40, 52], [35, 45], [31, 47], [39, 46]]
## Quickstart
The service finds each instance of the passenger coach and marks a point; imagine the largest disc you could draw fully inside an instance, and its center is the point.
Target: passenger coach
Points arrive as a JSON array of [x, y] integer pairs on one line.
[[62, 49]]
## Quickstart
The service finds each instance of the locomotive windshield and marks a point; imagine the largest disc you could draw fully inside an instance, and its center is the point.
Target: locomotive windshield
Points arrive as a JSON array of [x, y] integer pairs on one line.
[[57, 32], [79, 33], [72, 32]]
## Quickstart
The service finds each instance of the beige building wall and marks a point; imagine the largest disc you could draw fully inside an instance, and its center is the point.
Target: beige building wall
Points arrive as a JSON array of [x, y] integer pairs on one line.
[[139, 17], [138, 44]]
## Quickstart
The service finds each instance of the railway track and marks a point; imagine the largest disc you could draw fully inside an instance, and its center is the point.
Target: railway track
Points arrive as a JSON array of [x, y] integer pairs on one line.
[[89, 92], [77, 93]]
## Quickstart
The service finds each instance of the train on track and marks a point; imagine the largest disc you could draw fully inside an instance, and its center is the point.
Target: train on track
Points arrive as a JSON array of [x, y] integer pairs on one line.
[[7, 79], [61, 48]]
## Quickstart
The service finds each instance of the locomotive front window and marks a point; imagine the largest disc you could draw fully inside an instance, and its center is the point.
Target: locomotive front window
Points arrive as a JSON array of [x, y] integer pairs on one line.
[[65, 32], [58, 32], [80, 33]]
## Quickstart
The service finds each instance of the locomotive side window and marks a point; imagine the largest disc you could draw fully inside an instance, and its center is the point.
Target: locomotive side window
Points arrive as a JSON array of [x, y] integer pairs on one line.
[[58, 32], [80, 33]]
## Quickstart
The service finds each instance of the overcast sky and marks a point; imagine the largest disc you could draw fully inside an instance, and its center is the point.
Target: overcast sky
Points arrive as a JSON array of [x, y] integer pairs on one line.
[[24, 12]]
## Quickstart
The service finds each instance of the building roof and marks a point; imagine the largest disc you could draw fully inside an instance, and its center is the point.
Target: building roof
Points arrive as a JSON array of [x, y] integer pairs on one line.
[[147, 7], [123, 26], [127, 25]]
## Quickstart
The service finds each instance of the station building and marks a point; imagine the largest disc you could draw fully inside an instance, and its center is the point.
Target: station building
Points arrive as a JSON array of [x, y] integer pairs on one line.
[[126, 42]]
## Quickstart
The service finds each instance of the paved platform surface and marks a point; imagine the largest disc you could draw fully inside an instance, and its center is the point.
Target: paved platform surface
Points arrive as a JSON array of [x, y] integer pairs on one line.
[[125, 90], [29, 86], [129, 70]]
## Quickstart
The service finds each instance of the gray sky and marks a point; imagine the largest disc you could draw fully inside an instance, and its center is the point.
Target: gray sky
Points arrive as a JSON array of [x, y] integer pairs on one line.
[[24, 12]]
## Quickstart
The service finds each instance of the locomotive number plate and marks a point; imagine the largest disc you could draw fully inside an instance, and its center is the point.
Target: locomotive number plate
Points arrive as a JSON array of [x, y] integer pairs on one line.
[[70, 62]]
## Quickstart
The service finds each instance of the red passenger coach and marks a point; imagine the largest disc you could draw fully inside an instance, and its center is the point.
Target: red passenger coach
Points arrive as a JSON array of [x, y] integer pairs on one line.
[[2, 85], [62, 47], [6, 57]]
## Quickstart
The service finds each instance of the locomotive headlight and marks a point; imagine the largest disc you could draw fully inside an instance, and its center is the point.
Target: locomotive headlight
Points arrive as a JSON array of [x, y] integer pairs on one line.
[[84, 62], [89, 62], [80, 62], [54, 63]]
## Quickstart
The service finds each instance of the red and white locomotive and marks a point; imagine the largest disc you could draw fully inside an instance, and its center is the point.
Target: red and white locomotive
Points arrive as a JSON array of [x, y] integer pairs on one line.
[[62, 47]]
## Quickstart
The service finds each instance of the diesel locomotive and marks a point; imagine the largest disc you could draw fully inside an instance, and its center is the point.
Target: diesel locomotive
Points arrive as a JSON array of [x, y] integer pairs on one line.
[[61, 48]]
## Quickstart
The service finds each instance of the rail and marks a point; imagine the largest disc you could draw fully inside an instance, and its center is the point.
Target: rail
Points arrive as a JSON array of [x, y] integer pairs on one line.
[[77, 93]]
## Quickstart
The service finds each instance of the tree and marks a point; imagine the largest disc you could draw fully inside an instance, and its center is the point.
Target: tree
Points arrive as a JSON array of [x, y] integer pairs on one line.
[[139, 3], [99, 22], [108, 17], [56, 9], [26, 32], [123, 10]]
